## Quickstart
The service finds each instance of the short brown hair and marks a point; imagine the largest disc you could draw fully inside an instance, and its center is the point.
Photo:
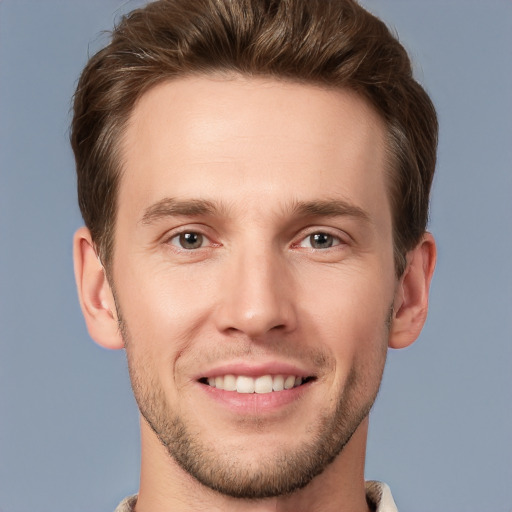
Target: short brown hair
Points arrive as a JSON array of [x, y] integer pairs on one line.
[[334, 43]]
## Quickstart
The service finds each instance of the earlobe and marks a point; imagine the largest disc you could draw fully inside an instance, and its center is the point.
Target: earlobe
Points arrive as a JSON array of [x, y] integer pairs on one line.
[[94, 293], [411, 297]]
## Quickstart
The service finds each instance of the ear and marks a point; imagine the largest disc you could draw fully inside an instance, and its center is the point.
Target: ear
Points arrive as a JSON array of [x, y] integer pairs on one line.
[[411, 297], [94, 292]]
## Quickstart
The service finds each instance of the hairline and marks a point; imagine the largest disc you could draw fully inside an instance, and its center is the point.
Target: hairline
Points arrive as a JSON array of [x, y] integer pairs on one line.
[[106, 246]]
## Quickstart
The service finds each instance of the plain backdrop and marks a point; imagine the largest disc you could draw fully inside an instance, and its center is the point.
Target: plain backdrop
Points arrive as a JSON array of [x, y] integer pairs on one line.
[[440, 431]]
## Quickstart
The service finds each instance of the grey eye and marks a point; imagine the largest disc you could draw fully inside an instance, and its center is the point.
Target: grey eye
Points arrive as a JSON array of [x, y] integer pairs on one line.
[[188, 240], [320, 240]]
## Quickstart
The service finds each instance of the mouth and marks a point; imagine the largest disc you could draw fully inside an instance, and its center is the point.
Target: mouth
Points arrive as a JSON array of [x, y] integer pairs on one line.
[[262, 384]]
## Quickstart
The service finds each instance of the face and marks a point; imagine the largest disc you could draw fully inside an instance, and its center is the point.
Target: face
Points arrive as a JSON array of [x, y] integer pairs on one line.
[[253, 274]]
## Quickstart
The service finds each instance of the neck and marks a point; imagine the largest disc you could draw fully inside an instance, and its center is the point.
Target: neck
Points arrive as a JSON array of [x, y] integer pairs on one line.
[[165, 487]]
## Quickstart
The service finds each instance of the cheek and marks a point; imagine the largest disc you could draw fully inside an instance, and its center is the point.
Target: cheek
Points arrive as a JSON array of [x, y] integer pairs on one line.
[[348, 309], [163, 308], [354, 297]]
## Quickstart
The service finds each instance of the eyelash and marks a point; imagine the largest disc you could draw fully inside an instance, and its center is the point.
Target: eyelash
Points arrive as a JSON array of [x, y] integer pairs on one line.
[[332, 240], [178, 239]]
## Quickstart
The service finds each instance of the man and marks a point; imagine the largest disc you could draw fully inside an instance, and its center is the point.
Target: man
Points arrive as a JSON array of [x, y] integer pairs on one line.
[[254, 177]]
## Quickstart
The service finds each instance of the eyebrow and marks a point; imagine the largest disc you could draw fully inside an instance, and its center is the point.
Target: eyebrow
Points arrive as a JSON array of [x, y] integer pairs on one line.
[[171, 207], [330, 208]]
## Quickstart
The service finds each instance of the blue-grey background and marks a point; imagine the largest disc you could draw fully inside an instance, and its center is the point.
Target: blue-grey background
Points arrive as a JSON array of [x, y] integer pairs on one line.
[[442, 426]]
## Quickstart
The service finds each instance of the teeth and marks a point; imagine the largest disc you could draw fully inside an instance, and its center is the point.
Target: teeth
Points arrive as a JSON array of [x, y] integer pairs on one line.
[[229, 383], [244, 384], [262, 384], [289, 382], [278, 383]]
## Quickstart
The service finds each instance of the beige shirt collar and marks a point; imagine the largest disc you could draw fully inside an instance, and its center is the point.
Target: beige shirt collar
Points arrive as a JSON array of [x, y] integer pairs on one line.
[[378, 496]]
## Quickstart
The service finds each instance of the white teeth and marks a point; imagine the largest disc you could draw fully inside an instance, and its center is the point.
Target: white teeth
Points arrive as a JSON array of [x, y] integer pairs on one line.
[[244, 384], [289, 382], [229, 383], [278, 383], [262, 384]]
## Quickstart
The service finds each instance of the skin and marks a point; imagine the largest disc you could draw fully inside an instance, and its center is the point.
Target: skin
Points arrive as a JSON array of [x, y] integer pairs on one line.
[[256, 168]]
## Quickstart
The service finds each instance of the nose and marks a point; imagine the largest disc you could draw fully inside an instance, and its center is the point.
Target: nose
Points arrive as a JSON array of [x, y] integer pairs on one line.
[[256, 295]]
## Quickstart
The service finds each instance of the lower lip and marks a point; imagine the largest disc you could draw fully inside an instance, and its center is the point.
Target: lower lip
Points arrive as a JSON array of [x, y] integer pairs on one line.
[[256, 403]]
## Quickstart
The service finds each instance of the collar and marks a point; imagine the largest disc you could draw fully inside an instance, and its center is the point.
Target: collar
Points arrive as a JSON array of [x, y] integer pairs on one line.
[[378, 496]]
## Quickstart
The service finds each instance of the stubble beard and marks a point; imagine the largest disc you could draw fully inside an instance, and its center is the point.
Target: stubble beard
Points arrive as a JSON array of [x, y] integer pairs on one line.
[[279, 474]]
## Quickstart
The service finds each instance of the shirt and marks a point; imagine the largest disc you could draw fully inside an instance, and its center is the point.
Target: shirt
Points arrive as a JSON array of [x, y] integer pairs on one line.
[[378, 496]]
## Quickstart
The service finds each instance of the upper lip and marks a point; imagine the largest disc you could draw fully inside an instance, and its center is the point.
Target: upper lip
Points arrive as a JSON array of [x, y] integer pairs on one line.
[[254, 370]]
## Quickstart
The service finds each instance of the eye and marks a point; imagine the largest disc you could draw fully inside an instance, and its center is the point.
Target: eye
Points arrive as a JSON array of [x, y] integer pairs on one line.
[[188, 240], [320, 240]]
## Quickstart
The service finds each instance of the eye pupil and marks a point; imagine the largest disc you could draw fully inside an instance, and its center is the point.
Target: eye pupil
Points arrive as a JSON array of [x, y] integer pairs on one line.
[[191, 240], [321, 240]]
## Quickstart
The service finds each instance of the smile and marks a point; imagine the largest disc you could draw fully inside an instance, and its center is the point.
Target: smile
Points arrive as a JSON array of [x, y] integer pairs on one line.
[[262, 384]]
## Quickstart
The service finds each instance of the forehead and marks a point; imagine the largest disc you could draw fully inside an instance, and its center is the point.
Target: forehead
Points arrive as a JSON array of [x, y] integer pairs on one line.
[[252, 141]]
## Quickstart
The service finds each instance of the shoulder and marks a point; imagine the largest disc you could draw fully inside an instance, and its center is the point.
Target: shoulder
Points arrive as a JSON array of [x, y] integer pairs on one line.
[[127, 505], [379, 498]]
